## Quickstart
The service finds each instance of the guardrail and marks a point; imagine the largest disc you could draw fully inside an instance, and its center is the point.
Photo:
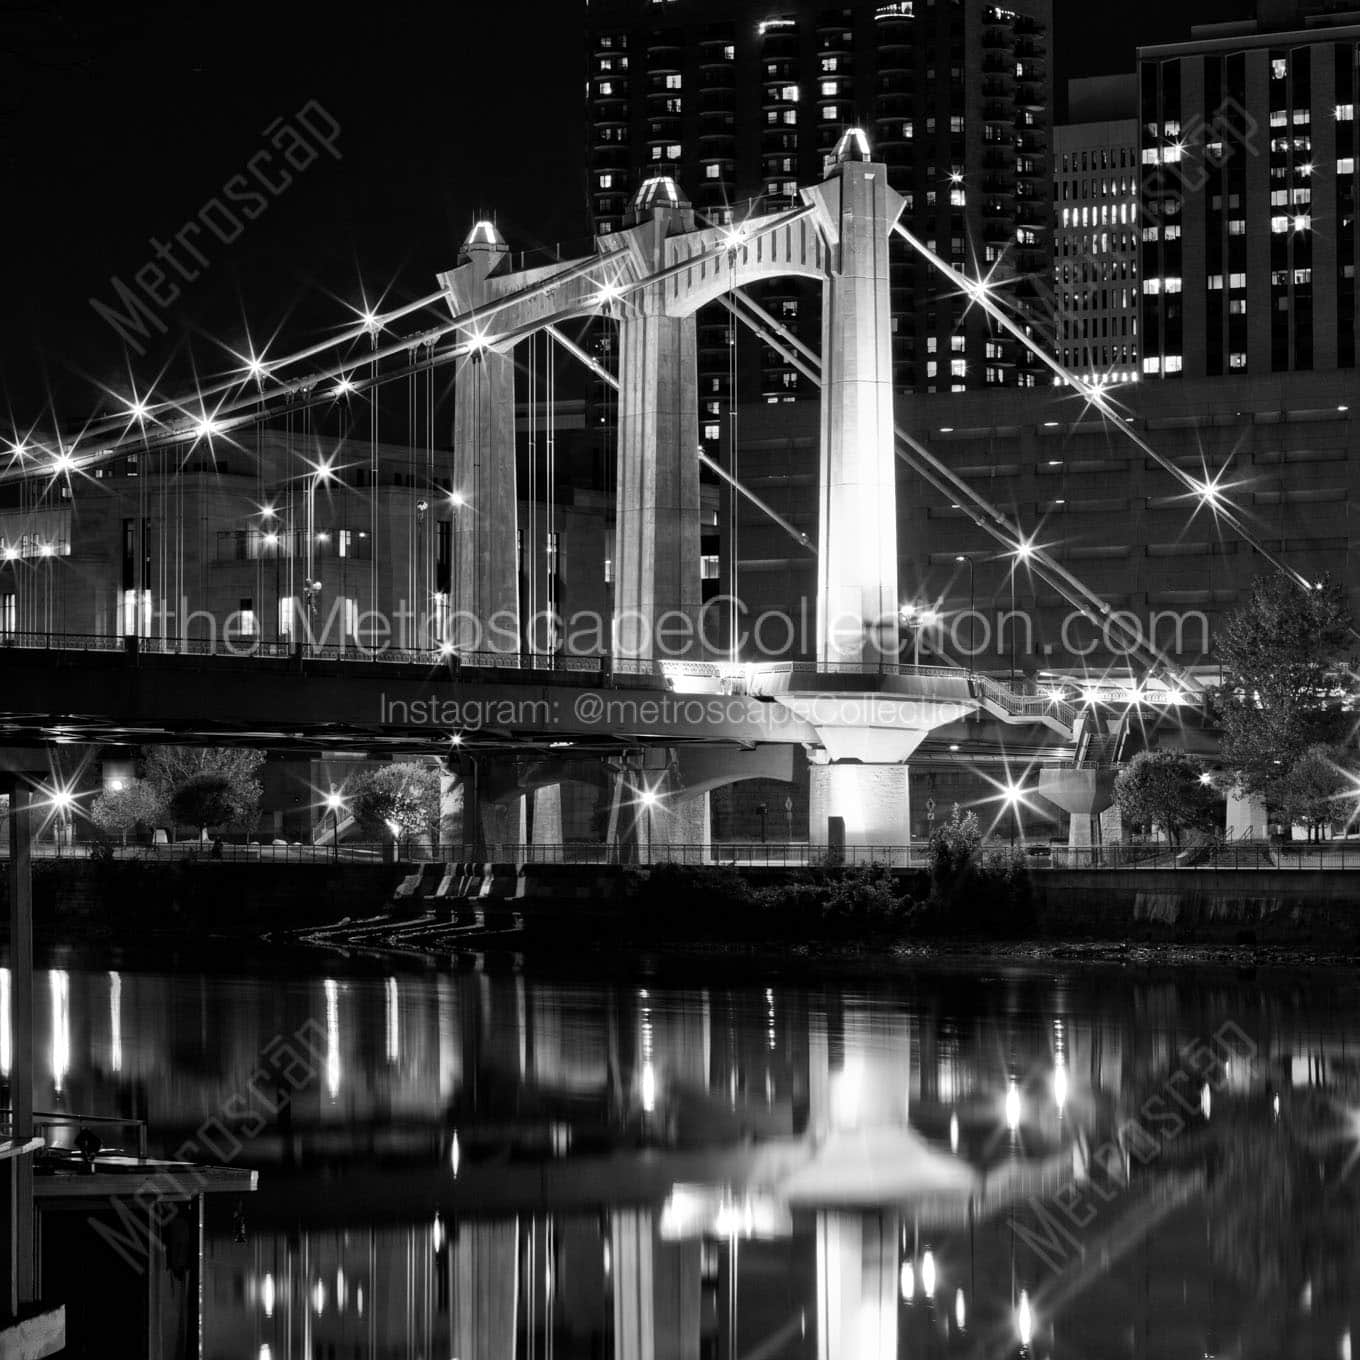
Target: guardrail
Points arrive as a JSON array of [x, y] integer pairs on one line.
[[1041, 855], [1235, 855]]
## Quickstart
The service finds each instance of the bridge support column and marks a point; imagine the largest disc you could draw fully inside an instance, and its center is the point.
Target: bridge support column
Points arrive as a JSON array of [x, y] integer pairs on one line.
[[20, 1248], [485, 569], [547, 815], [656, 1288], [857, 600], [656, 535], [1246, 816], [856, 1286], [869, 804]]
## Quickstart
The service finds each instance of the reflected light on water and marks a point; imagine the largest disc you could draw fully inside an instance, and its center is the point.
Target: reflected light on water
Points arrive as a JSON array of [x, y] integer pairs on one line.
[[1205, 1100], [953, 1133], [1012, 1107], [393, 1021], [1024, 1320], [1060, 1085], [267, 1296], [6, 1038], [928, 1273], [59, 985], [908, 1281], [319, 1297], [960, 1310], [332, 990], [116, 1021], [846, 1088], [455, 1154]]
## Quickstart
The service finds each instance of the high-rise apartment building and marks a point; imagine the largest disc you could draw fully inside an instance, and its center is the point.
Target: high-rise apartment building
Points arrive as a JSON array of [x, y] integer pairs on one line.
[[741, 100], [1248, 153], [1096, 232]]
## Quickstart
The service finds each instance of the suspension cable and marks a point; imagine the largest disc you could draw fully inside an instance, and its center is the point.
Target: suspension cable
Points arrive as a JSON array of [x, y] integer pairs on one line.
[[977, 290]]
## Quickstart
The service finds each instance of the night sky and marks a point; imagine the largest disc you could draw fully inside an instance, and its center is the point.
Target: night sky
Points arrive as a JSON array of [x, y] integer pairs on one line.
[[117, 125]]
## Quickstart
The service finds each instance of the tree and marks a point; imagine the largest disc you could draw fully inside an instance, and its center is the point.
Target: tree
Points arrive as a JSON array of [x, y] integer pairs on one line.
[[1311, 789], [953, 845], [171, 768], [1282, 658], [119, 812], [405, 796], [204, 800], [1162, 789]]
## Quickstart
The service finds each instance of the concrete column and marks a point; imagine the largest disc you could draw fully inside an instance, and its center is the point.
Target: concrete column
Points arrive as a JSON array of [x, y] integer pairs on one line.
[[485, 530], [486, 1287], [656, 533], [547, 823], [1111, 825], [857, 568], [856, 1286], [23, 1275], [1246, 816], [656, 1289], [874, 802], [453, 830]]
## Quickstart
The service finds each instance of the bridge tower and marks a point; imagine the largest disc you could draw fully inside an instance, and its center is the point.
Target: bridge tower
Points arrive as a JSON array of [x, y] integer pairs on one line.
[[485, 593], [656, 532], [857, 486]]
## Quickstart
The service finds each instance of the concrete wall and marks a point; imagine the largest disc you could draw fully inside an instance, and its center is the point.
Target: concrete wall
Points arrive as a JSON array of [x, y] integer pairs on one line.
[[1248, 905]]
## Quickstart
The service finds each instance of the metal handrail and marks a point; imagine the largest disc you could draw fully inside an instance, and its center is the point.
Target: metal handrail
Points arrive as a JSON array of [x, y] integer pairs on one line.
[[52, 1119]]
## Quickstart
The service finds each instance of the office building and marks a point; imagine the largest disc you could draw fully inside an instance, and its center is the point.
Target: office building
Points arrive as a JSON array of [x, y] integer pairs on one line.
[[1248, 149], [740, 103], [1096, 232]]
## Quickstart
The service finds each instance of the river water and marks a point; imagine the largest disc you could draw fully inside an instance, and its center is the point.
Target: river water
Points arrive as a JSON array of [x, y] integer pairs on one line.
[[702, 1164]]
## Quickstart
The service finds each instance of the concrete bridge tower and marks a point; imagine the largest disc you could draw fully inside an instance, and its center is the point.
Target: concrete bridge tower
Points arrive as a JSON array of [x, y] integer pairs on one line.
[[485, 594]]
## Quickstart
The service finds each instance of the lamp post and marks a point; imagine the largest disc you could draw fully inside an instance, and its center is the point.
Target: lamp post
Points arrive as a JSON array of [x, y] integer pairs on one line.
[[972, 608], [918, 617], [334, 803], [647, 797], [1022, 552]]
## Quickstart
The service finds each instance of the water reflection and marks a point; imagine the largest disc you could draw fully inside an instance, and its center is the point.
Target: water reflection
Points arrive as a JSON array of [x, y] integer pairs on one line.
[[949, 1164]]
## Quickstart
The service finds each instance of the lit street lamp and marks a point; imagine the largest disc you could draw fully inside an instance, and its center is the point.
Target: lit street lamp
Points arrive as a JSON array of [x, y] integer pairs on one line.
[[335, 804], [1023, 550], [972, 608], [918, 617]]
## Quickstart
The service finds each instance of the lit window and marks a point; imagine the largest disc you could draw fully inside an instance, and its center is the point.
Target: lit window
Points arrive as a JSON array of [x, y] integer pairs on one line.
[[1237, 226], [675, 82], [830, 88], [708, 567], [1237, 360], [673, 151], [789, 93], [1279, 68], [606, 181], [1345, 113], [1237, 306], [1346, 165], [1173, 363], [1237, 280], [712, 431], [958, 367], [1152, 364], [1279, 224], [713, 170]]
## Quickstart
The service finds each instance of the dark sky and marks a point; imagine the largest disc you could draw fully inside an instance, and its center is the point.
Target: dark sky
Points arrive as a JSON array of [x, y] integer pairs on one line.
[[118, 124]]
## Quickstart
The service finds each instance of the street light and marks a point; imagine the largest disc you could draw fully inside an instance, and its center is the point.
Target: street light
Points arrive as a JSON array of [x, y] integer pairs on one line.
[[1013, 797], [972, 607], [919, 617], [334, 803], [1024, 549]]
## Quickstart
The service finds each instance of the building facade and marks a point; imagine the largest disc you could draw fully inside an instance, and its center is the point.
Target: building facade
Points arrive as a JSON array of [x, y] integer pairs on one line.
[[741, 103], [1284, 450], [1247, 138], [1096, 234]]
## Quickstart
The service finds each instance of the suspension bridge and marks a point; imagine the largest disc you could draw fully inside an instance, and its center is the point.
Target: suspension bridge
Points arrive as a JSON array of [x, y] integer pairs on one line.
[[854, 707]]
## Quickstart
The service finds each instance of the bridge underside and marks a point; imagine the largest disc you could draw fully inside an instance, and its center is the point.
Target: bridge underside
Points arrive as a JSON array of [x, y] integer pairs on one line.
[[114, 698]]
